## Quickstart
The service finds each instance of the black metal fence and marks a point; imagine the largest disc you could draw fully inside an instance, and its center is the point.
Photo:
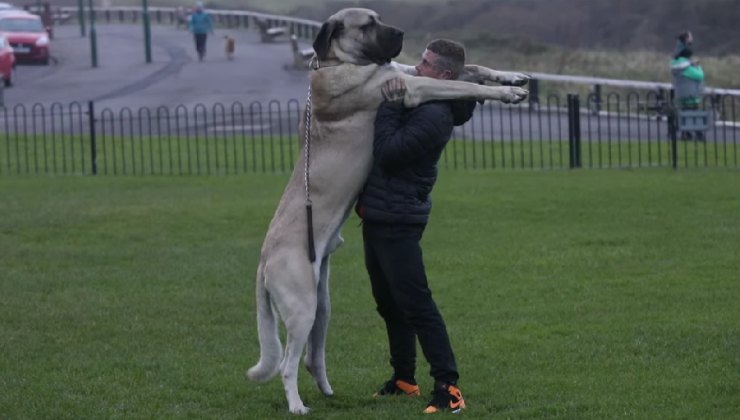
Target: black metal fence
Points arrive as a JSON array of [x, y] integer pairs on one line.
[[629, 131]]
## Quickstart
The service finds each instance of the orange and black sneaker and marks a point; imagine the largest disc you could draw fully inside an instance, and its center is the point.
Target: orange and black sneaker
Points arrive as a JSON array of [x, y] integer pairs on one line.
[[445, 397], [398, 387]]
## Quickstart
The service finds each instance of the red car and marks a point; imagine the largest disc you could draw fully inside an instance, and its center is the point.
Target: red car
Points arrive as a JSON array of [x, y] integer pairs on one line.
[[27, 36], [7, 61]]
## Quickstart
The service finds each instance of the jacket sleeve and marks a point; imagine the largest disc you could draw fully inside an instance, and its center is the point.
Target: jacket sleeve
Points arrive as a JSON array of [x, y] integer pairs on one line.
[[680, 64], [398, 143], [694, 73], [464, 113]]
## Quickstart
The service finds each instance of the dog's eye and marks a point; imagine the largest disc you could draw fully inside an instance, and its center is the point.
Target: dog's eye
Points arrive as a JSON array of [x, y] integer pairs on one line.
[[368, 25]]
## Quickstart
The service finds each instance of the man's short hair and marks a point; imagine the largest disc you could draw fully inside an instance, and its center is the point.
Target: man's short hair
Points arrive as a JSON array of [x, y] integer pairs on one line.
[[451, 54]]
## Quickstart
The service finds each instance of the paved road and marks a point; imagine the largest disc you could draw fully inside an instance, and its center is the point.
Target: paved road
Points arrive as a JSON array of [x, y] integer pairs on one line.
[[258, 72]]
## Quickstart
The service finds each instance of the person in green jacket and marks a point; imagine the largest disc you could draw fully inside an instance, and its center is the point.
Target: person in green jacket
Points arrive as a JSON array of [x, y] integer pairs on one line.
[[688, 79]]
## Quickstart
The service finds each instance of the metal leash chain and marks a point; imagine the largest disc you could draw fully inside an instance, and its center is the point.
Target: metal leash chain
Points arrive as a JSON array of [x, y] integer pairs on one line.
[[306, 156], [306, 145]]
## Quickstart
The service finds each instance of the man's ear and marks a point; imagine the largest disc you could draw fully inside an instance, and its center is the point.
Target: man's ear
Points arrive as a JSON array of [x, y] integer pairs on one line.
[[323, 40], [447, 75]]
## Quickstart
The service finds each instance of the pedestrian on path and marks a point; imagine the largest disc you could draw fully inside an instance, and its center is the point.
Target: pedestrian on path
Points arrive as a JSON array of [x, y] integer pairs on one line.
[[200, 26]]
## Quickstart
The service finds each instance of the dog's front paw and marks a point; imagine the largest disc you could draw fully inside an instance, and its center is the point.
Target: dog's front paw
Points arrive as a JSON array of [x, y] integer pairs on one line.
[[514, 79], [515, 95]]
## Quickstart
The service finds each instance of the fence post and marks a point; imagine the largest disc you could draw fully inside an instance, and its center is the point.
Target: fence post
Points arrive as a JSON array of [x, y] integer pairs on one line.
[[577, 131], [574, 131], [597, 99], [571, 129], [93, 142], [673, 129], [534, 93]]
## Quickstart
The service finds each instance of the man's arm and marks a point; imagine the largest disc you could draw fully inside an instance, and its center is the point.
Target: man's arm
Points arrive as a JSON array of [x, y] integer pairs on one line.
[[210, 23], [398, 140], [476, 74]]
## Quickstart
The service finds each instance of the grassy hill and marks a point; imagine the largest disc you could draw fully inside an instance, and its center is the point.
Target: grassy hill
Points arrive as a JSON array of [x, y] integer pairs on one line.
[[631, 39]]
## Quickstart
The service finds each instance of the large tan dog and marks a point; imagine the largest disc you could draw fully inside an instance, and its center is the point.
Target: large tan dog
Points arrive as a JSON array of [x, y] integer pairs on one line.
[[353, 53]]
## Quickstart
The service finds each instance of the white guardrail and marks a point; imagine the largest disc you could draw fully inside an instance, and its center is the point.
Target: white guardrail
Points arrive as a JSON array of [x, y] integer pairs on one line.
[[307, 29], [635, 84]]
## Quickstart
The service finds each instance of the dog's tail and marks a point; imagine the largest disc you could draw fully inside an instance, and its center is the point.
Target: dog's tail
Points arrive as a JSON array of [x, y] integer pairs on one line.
[[271, 350]]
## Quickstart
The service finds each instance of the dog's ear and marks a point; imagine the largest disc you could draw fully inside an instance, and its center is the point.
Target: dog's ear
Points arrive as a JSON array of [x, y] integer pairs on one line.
[[323, 40]]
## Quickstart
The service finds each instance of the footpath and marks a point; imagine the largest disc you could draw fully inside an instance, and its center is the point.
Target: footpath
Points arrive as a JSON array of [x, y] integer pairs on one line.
[[259, 72]]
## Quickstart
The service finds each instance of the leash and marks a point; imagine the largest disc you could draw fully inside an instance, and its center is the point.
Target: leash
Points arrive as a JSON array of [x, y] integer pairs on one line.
[[306, 156], [315, 65]]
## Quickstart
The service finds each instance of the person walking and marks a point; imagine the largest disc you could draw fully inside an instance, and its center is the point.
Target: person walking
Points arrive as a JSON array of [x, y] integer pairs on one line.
[[688, 79], [394, 207], [200, 26]]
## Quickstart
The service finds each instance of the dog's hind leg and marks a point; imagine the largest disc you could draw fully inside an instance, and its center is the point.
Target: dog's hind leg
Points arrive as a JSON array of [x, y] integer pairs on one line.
[[294, 295], [315, 359], [270, 347]]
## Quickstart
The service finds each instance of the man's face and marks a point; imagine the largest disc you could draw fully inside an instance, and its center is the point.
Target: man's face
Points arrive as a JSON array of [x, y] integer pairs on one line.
[[428, 67]]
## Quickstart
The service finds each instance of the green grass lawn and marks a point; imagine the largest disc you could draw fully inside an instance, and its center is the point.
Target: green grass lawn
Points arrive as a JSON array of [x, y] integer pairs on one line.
[[567, 294]]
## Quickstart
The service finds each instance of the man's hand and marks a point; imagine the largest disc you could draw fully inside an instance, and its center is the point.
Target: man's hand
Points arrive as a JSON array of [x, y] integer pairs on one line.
[[394, 90]]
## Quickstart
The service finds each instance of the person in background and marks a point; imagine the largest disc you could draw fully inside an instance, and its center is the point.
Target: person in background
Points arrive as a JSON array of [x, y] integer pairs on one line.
[[182, 17], [688, 79], [200, 26], [394, 206]]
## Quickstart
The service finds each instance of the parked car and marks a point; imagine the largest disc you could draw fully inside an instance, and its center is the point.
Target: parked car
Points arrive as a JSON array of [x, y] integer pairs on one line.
[[27, 36], [7, 6], [7, 61]]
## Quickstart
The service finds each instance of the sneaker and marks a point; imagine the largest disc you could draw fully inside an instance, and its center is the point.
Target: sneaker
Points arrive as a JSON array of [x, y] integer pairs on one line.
[[445, 397], [398, 387]]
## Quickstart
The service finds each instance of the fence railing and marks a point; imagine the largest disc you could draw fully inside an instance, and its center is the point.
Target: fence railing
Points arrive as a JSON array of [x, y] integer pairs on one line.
[[302, 28], [626, 132]]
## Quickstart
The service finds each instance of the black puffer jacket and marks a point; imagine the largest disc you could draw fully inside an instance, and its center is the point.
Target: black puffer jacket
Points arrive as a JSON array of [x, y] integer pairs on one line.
[[408, 144]]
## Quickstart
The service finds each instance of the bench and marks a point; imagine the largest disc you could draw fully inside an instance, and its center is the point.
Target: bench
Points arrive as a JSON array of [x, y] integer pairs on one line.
[[301, 56], [267, 33], [694, 120], [658, 108], [61, 17]]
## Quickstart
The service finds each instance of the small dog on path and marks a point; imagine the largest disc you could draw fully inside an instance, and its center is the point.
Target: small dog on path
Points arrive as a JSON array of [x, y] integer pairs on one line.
[[230, 47]]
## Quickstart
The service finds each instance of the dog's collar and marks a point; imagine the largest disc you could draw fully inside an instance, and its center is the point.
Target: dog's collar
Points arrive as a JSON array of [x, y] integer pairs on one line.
[[316, 64]]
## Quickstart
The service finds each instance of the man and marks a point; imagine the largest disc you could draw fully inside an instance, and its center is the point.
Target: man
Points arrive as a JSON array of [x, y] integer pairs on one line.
[[688, 79], [200, 25], [394, 206]]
